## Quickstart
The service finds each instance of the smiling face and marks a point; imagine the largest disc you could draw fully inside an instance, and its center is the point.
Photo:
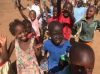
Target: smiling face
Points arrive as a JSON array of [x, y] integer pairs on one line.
[[67, 9], [90, 12], [56, 35], [21, 34], [32, 15]]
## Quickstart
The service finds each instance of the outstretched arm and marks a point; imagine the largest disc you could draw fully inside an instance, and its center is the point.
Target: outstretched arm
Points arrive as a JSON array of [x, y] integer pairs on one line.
[[11, 48], [3, 45]]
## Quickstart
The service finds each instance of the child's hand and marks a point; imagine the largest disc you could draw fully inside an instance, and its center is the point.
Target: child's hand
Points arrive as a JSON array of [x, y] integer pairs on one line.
[[3, 40], [38, 46]]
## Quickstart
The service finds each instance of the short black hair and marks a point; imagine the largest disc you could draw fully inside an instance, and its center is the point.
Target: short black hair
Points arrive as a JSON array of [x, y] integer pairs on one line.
[[14, 24], [77, 49], [54, 24], [32, 11]]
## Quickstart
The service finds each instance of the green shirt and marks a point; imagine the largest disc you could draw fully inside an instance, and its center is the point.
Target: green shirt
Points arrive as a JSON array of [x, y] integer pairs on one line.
[[87, 32]]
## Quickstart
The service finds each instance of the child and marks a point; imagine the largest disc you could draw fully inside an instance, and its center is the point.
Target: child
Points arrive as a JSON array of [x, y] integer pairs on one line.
[[82, 59], [89, 25], [4, 64], [36, 7], [67, 19], [35, 23], [26, 61], [56, 46]]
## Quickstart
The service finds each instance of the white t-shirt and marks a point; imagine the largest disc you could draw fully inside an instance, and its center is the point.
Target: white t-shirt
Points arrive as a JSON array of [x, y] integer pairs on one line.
[[36, 8]]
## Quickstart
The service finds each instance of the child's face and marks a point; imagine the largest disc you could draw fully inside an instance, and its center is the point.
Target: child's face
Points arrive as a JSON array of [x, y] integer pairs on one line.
[[79, 3], [21, 34], [90, 13], [54, 2], [32, 16], [56, 35], [36, 2], [85, 66], [67, 9]]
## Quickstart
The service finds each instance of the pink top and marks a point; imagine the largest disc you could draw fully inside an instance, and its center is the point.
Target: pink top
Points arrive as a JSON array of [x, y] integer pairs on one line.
[[26, 60], [36, 26]]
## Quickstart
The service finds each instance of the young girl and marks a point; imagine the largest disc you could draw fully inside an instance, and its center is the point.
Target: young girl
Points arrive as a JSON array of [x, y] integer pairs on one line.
[[35, 23], [67, 19], [89, 25], [26, 61], [4, 64], [56, 46]]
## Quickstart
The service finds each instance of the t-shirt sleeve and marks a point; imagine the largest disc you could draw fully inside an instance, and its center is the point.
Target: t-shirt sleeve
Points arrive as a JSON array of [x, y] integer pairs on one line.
[[46, 45], [68, 46], [76, 27], [45, 48]]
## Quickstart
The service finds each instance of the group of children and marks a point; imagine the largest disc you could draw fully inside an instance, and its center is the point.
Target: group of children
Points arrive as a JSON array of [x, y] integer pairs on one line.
[[65, 55]]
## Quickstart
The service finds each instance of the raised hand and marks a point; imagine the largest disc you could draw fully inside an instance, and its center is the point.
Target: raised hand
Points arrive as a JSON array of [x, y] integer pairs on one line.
[[3, 40]]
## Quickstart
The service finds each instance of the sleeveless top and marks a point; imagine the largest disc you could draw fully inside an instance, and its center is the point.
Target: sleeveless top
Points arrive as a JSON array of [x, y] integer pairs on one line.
[[26, 60]]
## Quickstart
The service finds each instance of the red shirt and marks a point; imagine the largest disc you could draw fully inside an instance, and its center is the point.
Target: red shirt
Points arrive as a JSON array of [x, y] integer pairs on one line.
[[67, 29], [52, 19]]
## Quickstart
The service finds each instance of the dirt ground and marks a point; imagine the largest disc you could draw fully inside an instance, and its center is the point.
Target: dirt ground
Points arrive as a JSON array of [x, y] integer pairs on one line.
[[8, 13]]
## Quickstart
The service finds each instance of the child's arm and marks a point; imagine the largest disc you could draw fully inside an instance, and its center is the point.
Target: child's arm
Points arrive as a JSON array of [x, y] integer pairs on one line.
[[11, 48], [3, 45]]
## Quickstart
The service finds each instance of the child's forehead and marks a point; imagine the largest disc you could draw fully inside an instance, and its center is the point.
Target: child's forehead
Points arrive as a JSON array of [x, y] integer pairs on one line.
[[92, 8], [32, 12]]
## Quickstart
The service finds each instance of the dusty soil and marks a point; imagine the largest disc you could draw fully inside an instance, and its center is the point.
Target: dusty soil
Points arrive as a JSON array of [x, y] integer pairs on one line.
[[8, 13]]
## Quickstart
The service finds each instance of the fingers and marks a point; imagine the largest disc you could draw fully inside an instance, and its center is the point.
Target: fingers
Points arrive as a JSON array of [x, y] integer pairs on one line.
[[3, 39]]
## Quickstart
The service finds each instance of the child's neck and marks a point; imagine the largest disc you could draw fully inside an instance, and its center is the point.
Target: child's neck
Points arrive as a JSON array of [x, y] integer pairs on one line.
[[24, 41], [89, 20]]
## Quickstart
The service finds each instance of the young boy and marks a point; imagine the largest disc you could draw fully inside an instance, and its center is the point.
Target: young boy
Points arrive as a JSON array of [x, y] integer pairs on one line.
[[56, 46], [82, 59], [89, 25]]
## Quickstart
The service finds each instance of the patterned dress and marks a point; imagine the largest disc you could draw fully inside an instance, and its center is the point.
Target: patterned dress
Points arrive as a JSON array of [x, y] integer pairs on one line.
[[26, 59]]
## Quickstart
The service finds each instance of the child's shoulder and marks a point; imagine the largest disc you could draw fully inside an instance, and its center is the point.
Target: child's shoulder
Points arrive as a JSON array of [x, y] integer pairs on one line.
[[67, 42], [47, 41]]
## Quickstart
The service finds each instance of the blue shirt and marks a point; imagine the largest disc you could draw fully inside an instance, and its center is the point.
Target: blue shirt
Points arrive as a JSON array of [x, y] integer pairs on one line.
[[79, 13], [55, 52]]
